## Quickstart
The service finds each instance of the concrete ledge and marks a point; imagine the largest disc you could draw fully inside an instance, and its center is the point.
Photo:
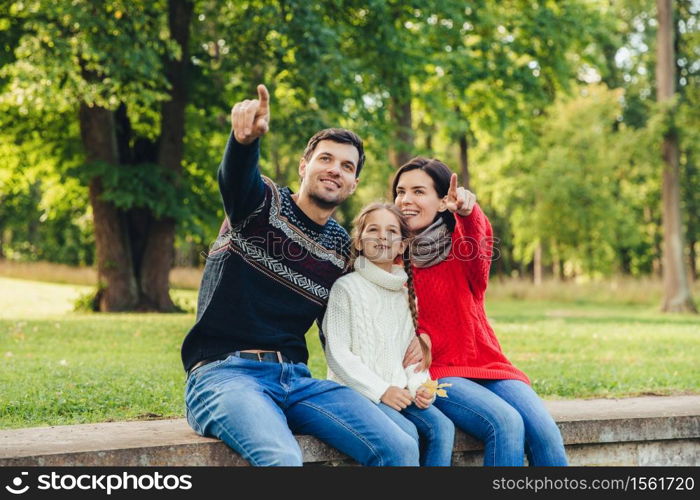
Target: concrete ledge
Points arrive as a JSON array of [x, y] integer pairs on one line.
[[631, 431]]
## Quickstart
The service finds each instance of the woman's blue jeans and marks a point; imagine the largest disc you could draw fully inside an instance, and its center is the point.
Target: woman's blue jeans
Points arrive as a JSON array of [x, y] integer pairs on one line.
[[429, 427], [255, 407], [508, 416]]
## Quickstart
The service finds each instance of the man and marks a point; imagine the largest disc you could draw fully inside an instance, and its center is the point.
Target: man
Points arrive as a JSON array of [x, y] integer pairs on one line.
[[266, 280]]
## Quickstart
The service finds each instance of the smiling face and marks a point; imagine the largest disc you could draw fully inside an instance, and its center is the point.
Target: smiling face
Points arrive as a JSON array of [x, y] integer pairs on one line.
[[417, 199], [380, 240], [328, 176]]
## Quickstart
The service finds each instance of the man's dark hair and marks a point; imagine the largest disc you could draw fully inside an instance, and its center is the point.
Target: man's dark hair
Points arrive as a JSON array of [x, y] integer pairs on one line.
[[340, 135]]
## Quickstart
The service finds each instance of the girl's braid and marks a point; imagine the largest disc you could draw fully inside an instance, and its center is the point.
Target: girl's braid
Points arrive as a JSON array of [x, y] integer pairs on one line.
[[412, 304]]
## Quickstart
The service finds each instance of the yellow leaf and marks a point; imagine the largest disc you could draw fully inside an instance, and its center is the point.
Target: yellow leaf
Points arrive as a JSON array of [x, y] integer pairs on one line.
[[434, 388], [431, 385]]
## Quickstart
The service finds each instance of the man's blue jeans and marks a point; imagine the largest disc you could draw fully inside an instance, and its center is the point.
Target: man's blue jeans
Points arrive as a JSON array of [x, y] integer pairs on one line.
[[508, 416], [428, 426], [254, 407]]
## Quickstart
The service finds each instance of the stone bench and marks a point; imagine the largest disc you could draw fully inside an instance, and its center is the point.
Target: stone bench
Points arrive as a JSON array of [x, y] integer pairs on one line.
[[652, 430]]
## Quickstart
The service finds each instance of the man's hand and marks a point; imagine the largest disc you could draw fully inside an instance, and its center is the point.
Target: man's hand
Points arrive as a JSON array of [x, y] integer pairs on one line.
[[459, 199], [250, 119], [396, 398]]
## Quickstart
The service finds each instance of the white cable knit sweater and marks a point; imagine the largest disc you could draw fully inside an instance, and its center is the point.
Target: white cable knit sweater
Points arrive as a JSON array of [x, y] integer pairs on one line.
[[368, 328]]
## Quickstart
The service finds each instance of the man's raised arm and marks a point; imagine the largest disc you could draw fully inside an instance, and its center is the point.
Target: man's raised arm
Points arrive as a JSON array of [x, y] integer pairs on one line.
[[241, 186]]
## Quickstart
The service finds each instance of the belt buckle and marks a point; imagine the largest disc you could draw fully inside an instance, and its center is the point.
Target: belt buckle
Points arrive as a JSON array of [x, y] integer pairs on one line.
[[261, 355]]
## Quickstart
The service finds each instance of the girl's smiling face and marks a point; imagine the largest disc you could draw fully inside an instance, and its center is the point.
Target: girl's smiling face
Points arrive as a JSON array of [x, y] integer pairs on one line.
[[417, 199], [380, 240]]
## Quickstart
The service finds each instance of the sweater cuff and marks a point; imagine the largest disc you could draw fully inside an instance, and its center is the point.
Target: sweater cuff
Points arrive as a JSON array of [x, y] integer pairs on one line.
[[376, 396], [244, 150], [415, 380], [472, 224]]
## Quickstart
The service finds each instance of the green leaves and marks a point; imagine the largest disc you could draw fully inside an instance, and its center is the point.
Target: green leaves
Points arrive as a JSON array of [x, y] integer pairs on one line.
[[576, 189], [575, 173], [140, 186], [85, 52]]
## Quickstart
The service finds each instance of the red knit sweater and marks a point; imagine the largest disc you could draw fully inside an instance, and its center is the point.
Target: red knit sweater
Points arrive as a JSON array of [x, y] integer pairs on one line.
[[451, 306]]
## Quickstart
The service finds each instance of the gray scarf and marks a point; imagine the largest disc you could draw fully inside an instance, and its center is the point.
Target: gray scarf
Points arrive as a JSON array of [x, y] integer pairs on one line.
[[432, 245]]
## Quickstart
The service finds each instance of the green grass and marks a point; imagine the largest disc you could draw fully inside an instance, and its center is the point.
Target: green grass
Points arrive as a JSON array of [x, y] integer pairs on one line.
[[32, 299], [593, 350], [60, 367], [90, 368]]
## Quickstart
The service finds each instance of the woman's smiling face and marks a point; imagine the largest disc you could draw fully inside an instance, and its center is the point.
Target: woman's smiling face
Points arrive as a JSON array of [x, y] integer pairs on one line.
[[417, 199]]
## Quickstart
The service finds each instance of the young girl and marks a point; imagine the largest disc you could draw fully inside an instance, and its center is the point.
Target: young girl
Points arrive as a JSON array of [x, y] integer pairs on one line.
[[368, 325], [451, 253]]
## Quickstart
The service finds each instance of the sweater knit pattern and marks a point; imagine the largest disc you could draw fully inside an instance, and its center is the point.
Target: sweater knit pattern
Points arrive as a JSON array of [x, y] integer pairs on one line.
[[316, 242], [320, 244], [451, 306], [368, 327], [269, 273]]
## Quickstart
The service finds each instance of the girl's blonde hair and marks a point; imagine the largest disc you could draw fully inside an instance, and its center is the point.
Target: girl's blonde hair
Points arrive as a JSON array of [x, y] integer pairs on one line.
[[358, 226]]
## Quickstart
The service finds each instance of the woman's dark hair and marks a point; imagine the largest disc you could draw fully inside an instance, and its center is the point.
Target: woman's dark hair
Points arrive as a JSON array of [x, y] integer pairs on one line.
[[342, 136], [438, 172]]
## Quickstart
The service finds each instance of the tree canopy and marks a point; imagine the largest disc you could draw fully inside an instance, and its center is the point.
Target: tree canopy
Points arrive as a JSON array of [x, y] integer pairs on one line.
[[114, 115]]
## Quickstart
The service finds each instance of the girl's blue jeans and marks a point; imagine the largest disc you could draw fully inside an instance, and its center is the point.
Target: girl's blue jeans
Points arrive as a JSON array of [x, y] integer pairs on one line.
[[429, 427], [508, 416], [255, 407]]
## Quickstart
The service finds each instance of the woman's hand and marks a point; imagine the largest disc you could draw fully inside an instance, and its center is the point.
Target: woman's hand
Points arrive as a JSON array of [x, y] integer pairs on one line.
[[459, 200], [423, 398], [414, 354], [396, 398]]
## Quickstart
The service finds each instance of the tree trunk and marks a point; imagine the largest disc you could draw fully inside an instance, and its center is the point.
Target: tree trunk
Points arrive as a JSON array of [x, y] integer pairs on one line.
[[677, 295], [656, 265], [691, 202], [429, 142], [655, 261], [135, 250], [537, 265], [159, 252], [464, 161], [693, 262], [556, 263], [463, 140], [114, 264], [400, 110]]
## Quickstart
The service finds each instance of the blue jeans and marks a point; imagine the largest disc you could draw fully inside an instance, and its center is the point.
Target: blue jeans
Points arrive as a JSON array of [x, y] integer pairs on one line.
[[508, 416], [429, 427], [254, 407]]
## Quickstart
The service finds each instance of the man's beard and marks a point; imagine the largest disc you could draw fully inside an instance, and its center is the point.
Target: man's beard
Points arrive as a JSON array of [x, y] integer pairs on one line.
[[323, 203]]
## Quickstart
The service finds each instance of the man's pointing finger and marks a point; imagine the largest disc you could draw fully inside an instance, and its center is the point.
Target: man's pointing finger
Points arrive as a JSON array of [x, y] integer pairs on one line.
[[263, 96]]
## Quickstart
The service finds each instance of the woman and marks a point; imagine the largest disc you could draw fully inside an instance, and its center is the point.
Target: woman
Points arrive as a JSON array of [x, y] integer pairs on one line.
[[451, 255]]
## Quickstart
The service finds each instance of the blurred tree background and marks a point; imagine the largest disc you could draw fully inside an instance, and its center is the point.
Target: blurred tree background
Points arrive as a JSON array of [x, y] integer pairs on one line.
[[114, 116]]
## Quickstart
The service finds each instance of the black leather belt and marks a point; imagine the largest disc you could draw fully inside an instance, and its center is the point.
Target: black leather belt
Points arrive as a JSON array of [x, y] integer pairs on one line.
[[269, 356]]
